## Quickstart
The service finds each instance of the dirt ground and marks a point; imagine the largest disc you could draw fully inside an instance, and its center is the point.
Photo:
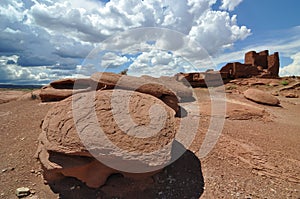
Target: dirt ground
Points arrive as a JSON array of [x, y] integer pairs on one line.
[[256, 156]]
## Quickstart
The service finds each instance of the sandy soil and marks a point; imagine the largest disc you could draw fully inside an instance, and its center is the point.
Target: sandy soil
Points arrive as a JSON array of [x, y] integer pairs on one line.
[[256, 156]]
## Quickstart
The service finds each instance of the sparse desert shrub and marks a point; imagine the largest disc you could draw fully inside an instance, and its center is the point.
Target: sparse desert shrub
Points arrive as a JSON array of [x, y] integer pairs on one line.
[[124, 72], [232, 87], [33, 96], [284, 83]]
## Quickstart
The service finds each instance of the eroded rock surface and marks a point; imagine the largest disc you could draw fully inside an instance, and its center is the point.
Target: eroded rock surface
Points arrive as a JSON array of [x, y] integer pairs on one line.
[[149, 86], [167, 89], [64, 88], [134, 136]]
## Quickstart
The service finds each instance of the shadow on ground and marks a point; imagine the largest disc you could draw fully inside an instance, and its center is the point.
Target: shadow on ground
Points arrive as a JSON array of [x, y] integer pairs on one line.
[[181, 179]]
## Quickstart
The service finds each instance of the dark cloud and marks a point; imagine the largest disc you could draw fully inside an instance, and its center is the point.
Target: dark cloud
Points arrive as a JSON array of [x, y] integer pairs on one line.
[[32, 60], [10, 62], [74, 51], [10, 44]]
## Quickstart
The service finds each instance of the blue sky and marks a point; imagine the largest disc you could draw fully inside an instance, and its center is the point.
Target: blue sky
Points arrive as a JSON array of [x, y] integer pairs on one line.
[[44, 40], [265, 16], [272, 23]]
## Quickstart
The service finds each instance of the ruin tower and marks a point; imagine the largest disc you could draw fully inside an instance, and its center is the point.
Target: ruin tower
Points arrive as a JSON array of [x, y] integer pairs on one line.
[[273, 64], [257, 59], [256, 65]]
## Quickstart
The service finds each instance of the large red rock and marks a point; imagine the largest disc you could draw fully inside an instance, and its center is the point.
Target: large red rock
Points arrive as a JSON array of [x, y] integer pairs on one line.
[[48, 94], [63, 88], [167, 89], [183, 92], [152, 87], [138, 84], [68, 83], [261, 97], [130, 136]]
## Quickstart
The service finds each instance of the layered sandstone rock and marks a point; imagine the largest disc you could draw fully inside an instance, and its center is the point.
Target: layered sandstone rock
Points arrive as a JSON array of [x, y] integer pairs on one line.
[[48, 94], [68, 83], [153, 86], [167, 89], [183, 92], [63, 88], [128, 132]]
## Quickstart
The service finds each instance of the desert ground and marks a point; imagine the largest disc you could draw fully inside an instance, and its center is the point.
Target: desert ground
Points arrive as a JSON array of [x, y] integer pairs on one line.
[[256, 156]]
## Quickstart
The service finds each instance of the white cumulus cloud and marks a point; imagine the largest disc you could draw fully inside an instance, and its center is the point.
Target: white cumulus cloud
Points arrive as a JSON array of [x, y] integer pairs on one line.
[[11, 72], [60, 33], [230, 4], [293, 68], [112, 60], [159, 63]]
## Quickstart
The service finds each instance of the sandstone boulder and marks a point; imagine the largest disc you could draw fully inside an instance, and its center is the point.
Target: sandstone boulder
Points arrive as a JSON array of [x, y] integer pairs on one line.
[[68, 83], [127, 136], [138, 84], [167, 89], [48, 94], [183, 92], [63, 88], [261, 97], [143, 85]]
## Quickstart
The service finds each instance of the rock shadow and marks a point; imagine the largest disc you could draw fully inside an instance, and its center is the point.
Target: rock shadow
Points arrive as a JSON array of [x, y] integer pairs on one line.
[[181, 113], [181, 179]]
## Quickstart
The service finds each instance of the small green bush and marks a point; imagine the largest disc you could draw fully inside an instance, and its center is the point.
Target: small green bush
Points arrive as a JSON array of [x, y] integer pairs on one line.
[[124, 72], [284, 83], [232, 87]]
